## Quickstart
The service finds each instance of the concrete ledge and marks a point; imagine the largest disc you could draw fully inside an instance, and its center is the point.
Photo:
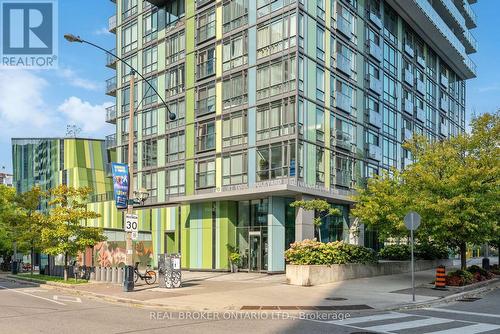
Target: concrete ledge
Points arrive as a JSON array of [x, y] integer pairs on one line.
[[308, 275]]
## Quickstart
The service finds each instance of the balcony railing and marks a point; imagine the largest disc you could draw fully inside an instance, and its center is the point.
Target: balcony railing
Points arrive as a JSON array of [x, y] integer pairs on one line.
[[343, 25], [408, 106], [443, 129], [110, 141], [470, 15], [206, 69], [375, 85], [375, 119], [343, 177], [408, 77], [444, 81], [111, 114], [206, 32], [111, 86], [343, 102], [443, 105], [376, 20], [375, 51], [111, 60], [343, 63], [420, 114], [374, 152], [343, 140], [455, 13], [112, 24], [407, 134], [420, 86], [409, 50]]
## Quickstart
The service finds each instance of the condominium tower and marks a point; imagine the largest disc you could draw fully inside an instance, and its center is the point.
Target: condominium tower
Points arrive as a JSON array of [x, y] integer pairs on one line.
[[277, 101]]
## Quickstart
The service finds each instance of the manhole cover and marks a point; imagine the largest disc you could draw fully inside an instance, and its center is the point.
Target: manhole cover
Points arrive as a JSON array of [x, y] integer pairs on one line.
[[335, 298], [469, 299]]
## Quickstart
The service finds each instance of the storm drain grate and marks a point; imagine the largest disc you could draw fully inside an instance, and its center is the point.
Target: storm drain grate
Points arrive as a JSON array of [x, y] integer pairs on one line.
[[306, 308], [469, 299], [335, 298]]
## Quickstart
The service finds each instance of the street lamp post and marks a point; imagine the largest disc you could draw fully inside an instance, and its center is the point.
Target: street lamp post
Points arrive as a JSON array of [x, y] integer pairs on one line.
[[128, 282]]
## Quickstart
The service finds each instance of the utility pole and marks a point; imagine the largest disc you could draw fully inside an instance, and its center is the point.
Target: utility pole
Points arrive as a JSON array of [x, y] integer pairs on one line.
[[128, 284]]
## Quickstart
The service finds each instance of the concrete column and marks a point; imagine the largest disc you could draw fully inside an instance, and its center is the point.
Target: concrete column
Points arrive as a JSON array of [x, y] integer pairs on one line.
[[108, 274], [276, 235], [304, 226], [120, 276], [114, 272], [98, 274], [103, 274]]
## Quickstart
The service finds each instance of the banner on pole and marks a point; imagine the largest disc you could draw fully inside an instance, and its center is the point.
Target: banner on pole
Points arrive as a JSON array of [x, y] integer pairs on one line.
[[120, 184]]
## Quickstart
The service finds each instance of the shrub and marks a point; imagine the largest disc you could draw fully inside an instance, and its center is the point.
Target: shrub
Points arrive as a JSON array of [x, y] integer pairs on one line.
[[315, 252], [459, 278], [395, 252], [479, 273], [431, 251]]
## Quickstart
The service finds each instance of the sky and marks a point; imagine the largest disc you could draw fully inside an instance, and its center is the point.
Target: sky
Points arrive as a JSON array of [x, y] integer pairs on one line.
[[37, 103]]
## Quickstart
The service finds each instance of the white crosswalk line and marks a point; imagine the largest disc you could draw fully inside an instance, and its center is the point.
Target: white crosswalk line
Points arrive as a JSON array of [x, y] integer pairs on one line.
[[385, 316], [436, 309], [408, 324], [472, 329]]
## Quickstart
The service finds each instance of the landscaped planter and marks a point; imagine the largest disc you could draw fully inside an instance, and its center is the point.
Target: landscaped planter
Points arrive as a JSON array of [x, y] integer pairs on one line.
[[307, 275]]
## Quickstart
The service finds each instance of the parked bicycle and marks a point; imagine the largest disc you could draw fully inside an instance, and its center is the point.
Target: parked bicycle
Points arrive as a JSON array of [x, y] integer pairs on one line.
[[149, 275]]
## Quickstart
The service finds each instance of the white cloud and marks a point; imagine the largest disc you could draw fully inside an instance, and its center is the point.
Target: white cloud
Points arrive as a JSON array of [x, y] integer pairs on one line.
[[102, 31], [82, 113], [75, 80]]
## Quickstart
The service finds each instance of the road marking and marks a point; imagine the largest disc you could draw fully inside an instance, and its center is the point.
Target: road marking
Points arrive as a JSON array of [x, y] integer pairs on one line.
[[29, 294], [34, 290], [472, 329], [436, 309], [67, 299], [408, 324], [369, 318]]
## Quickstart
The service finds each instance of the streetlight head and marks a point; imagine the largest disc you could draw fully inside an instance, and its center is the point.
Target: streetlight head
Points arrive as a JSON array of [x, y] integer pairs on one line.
[[72, 38], [172, 116]]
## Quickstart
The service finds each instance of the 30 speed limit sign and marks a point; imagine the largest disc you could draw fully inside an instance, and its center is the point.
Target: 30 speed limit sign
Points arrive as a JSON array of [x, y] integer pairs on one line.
[[131, 223]]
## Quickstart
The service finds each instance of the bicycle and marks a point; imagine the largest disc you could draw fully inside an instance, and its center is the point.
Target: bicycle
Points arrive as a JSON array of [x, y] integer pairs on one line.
[[149, 275]]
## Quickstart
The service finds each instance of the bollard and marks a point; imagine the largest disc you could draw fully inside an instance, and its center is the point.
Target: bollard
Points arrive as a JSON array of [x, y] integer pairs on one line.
[[120, 276], [103, 274], [98, 274], [440, 283], [108, 274], [92, 276], [114, 272], [486, 263]]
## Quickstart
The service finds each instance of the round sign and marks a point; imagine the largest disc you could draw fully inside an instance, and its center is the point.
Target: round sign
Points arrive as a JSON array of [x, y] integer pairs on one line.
[[412, 220]]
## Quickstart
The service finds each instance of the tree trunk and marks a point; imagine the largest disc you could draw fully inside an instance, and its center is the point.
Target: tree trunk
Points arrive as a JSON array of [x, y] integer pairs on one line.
[[32, 258], [463, 256], [319, 232], [66, 266]]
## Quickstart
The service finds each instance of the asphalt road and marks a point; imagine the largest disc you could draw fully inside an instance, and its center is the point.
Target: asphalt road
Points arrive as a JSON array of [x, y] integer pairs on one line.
[[25, 308]]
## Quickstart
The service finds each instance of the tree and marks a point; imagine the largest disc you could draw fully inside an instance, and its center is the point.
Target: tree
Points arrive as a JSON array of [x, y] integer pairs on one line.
[[7, 213], [65, 231], [321, 208], [454, 185]]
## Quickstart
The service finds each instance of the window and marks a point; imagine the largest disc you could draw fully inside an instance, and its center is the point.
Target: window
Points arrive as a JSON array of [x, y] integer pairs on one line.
[[320, 125], [346, 21], [234, 91], [276, 36], [276, 119], [205, 174], [129, 8], [265, 7], [431, 63], [206, 25], [234, 168], [390, 90], [125, 156], [150, 60], [342, 94], [126, 98], [372, 105], [390, 59], [320, 84], [343, 133], [150, 26], [149, 122], [206, 62], [175, 47], [174, 10], [149, 153], [320, 43], [175, 180], [372, 138], [373, 71], [176, 146], [391, 24], [275, 78], [341, 170], [320, 9], [234, 129], [125, 127], [431, 92], [150, 183], [275, 161], [235, 52], [389, 153], [320, 165], [205, 99], [178, 107], [129, 38], [149, 95], [234, 14], [343, 58], [132, 60], [174, 80], [390, 122], [206, 136]]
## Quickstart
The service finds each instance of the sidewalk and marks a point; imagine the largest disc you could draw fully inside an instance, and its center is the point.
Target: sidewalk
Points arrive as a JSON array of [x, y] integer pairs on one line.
[[225, 291]]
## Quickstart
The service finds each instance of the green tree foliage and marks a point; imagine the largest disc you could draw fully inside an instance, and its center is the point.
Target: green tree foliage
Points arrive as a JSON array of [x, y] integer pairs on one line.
[[66, 231], [321, 208], [7, 214], [453, 184]]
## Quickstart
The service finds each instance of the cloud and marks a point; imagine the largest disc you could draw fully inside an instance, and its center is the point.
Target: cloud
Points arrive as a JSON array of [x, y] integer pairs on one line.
[[73, 79], [82, 113], [102, 31]]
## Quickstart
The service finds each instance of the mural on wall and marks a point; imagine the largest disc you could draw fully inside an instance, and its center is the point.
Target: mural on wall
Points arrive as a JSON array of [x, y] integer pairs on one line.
[[113, 253]]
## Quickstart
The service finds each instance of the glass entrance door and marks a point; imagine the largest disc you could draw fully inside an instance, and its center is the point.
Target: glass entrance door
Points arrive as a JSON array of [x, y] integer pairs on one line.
[[255, 257]]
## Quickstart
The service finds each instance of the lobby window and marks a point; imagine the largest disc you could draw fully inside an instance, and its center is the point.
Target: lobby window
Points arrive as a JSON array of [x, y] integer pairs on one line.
[[150, 183], [389, 153], [234, 168], [129, 38], [390, 59], [174, 80], [129, 8], [390, 121], [235, 52], [206, 25], [320, 124], [178, 107], [274, 161], [175, 47], [176, 146], [175, 181], [206, 62], [234, 14], [234, 90], [320, 43], [174, 11], [320, 165], [275, 78], [205, 100], [149, 95], [234, 129], [205, 136], [150, 60], [205, 174], [150, 27], [149, 153], [149, 122], [276, 36], [275, 119], [320, 84], [390, 90]]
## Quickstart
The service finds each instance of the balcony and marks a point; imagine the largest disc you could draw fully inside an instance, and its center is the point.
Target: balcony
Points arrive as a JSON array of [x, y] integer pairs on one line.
[[158, 3], [205, 69], [469, 15], [409, 50], [375, 51], [451, 14], [342, 63], [470, 42], [343, 102], [111, 86], [376, 20], [375, 85], [112, 24], [443, 129], [374, 152], [343, 178], [443, 104], [407, 134], [421, 61], [343, 140], [408, 106], [375, 119], [111, 60], [420, 114], [344, 26], [111, 114], [420, 87], [444, 81], [408, 77], [110, 141]]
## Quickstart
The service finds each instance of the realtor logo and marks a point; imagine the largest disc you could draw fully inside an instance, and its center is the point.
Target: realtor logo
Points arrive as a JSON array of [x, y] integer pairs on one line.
[[29, 33]]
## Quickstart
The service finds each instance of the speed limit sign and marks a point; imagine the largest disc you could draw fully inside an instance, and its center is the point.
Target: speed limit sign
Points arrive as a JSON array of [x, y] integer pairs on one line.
[[131, 223]]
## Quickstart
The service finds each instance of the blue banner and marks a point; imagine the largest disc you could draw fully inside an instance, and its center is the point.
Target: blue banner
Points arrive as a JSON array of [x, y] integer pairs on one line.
[[120, 184]]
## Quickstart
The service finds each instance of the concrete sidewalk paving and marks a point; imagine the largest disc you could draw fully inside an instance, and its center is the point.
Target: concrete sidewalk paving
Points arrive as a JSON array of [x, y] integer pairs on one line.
[[225, 291]]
